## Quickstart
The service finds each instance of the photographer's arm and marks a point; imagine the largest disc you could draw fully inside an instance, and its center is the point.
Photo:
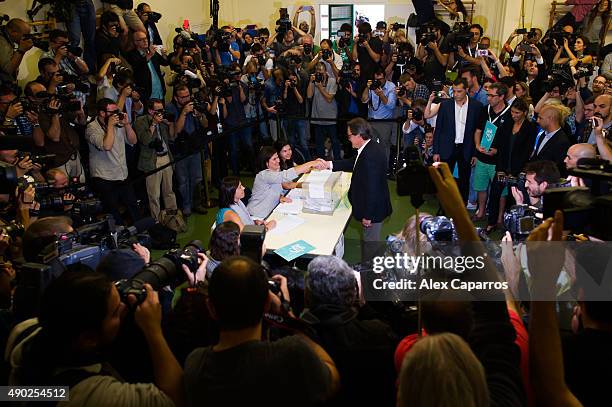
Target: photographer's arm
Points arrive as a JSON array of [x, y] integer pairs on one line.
[[310, 89], [365, 95], [354, 52], [54, 131], [541, 102], [129, 132], [81, 65], [373, 54], [313, 22], [557, 58], [167, 371]]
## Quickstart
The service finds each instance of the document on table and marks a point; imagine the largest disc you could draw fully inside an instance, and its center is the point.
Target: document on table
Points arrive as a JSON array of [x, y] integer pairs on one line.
[[294, 207], [286, 225]]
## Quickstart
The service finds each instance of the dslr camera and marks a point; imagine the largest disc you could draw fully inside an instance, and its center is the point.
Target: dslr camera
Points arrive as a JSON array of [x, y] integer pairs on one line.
[[326, 54], [520, 220]]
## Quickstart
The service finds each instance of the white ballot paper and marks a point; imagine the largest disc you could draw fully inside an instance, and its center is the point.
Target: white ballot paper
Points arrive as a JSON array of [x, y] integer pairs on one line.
[[286, 225]]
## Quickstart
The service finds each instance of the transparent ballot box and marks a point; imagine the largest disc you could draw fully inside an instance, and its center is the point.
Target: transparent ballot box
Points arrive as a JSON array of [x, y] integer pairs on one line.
[[322, 192]]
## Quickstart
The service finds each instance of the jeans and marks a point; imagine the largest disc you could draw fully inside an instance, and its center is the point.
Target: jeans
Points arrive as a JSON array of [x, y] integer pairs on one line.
[[242, 137], [84, 22], [112, 193], [188, 175], [296, 133], [321, 131]]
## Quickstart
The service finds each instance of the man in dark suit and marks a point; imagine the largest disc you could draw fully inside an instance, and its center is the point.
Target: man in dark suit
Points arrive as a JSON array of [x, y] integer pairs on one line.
[[369, 191], [551, 143], [454, 135], [146, 62]]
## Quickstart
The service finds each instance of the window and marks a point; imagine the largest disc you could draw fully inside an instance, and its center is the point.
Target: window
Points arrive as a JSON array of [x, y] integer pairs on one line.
[[334, 15]]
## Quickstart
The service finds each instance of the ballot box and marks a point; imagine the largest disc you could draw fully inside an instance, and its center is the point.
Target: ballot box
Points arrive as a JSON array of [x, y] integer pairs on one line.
[[322, 192]]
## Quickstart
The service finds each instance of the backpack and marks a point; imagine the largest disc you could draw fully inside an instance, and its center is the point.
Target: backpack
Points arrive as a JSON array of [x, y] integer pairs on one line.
[[173, 219], [162, 237]]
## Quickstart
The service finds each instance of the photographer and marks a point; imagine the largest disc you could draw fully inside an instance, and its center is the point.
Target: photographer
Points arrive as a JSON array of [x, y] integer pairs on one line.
[[14, 43], [65, 54], [149, 19], [303, 25], [367, 50], [344, 44], [13, 114], [409, 91], [273, 89], [348, 333], [599, 86], [472, 75], [380, 96], [414, 126], [286, 42], [189, 135], [433, 52], [124, 9], [187, 73], [580, 46], [264, 65], [301, 370], [350, 89], [123, 93], [154, 134], [80, 335], [243, 138], [321, 90], [107, 136], [398, 62], [539, 176], [294, 93], [146, 63], [533, 74], [110, 37], [52, 77], [326, 55], [59, 127], [225, 48]]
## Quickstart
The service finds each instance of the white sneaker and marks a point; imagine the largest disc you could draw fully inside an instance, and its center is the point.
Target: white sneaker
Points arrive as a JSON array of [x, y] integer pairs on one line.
[[471, 206]]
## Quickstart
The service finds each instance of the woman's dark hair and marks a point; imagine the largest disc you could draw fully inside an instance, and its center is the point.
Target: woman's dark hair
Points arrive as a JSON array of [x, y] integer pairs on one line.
[[224, 241], [74, 303], [520, 104], [461, 8], [265, 154], [279, 145], [227, 192], [328, 41], [108, 17]]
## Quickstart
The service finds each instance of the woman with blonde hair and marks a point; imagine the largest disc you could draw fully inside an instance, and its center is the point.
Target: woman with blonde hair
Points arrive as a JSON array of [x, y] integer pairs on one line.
[[442, 370]]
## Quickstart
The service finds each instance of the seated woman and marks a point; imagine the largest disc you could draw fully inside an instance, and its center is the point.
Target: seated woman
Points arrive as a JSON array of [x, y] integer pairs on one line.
[[285, 154], [224, 243], [231, 207], [271, 182]]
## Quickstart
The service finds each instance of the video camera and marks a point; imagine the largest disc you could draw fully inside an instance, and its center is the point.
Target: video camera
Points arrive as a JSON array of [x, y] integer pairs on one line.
[[426, 34], [346, 76], [164, 271], [80, 85], [154, 17], [586, 210], [583, 70], [520, 220], [284, 23], [13, 229], [438, 229], [460, 36], [397, 26], [558, 78], [559, 36]]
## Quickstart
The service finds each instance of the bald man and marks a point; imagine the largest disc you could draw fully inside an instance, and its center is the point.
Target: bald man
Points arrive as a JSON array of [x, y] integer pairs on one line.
[[11, 35], [551, 143], [146, 62], [576, 152]]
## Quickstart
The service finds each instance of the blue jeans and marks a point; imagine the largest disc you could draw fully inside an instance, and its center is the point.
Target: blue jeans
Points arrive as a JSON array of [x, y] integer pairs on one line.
[[84, 22], [321, 131], [242, 137], [188, 174], [296, 133]]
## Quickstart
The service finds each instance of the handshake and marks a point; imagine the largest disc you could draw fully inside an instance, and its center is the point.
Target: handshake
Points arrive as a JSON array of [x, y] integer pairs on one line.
[[319, 164]]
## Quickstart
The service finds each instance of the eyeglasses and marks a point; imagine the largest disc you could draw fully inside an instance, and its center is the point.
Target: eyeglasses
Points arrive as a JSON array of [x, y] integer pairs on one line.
[[492, 95]]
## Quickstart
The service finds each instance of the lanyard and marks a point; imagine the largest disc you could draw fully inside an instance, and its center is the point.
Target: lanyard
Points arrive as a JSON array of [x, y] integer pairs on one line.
[[470, 50], [498, 116]]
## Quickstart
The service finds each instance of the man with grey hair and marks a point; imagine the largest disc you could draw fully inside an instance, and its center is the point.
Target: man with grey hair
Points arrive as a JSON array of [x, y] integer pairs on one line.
[[369, 190], [362, 347], [14, 43]]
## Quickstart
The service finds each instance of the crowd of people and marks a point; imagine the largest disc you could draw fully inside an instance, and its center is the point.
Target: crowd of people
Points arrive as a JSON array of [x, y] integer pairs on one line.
[[144, 127]]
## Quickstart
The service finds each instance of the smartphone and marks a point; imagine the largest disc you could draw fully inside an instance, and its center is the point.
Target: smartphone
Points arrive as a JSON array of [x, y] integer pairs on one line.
[[185, 24], [482, 52], [307, 8]]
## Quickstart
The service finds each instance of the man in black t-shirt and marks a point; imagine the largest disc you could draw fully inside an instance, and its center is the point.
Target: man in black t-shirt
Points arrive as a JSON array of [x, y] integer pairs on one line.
[[110, 38], [241, 369], [367, 50], [434, 55], [493, 118]]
